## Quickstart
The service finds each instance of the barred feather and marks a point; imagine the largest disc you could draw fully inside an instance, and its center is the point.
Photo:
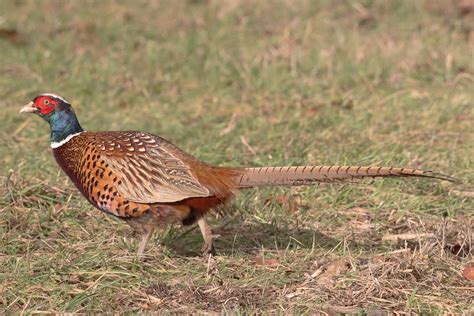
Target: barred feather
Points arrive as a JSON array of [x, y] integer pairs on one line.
[[306, 175]]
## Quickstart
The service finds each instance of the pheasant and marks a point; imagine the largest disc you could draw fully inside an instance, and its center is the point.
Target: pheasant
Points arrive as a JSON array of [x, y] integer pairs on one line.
[[148, 182]]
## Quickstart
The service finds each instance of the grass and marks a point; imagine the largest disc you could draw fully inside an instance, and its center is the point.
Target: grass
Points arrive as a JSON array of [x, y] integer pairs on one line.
[[246, 83]]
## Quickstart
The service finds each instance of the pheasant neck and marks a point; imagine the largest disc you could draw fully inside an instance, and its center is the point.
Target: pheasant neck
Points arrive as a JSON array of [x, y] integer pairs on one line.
[[64, 126]]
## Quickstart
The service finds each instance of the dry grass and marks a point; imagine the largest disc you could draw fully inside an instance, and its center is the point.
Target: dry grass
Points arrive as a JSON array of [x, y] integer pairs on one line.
[[246, 83]]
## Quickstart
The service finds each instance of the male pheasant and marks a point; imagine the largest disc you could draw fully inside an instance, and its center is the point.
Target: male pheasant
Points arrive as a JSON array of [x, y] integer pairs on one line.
[[148, 182]]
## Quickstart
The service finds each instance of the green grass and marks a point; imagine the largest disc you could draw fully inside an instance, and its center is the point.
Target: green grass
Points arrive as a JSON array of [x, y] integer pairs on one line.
[[245, 83]]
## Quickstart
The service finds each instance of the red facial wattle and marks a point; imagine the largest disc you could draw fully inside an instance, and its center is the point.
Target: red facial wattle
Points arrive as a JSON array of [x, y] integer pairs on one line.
[[46, 104]]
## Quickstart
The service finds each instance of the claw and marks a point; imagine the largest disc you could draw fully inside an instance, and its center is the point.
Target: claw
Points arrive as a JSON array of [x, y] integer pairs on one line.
[[208, 249]]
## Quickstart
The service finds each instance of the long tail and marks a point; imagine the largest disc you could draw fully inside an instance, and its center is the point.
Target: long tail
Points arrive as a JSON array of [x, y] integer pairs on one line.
[[306, 175]]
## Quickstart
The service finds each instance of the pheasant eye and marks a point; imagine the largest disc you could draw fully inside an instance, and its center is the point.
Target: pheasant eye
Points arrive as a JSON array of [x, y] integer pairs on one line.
[[46, 105]]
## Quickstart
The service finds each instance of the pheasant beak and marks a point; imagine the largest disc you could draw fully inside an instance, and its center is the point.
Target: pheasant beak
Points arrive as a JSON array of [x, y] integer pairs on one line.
[[29, 108]]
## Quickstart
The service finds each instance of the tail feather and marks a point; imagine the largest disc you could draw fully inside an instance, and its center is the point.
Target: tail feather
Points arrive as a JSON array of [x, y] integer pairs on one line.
[[306, 175]]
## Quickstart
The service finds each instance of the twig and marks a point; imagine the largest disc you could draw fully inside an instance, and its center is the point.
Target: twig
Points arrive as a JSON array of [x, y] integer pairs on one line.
[[407, 236]]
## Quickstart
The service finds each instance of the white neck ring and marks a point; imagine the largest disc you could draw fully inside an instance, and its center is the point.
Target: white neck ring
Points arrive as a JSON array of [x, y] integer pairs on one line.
[[64, 141]]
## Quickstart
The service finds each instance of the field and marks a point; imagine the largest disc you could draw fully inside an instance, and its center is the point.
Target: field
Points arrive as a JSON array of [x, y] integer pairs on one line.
[[249, 83]]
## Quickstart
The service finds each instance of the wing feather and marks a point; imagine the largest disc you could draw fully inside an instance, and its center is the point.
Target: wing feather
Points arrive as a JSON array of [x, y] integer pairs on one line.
[[151, 170]]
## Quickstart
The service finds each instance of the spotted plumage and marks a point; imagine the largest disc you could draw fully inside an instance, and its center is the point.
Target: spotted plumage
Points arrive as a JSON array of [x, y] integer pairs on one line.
[[148, 182]]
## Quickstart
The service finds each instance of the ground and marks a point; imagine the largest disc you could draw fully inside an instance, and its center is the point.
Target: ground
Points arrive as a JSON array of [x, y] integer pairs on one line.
[[249, 83]]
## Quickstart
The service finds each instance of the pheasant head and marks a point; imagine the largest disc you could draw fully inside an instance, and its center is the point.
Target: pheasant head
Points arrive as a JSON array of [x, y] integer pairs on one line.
[[58, 113]]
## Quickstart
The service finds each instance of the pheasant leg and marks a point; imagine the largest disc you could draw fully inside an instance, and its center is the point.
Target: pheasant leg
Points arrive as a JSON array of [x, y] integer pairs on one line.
[[145, 238], [208, 247]]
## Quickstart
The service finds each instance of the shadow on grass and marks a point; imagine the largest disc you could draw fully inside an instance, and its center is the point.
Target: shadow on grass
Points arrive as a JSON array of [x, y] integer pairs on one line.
[[248, 238]]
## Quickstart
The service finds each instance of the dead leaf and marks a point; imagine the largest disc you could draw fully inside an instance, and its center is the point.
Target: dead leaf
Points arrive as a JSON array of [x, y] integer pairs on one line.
[[284, 201], [54, 234], [468, 272], [360, 213], [281, 199], [360, 227], [462, 117], [336, 268], [360, 219], [332, 270], [269, 262], [75, 278], [146, 306], [11, 35]]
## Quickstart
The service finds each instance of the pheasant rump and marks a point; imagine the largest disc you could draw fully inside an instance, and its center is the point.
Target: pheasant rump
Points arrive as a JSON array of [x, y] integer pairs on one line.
[[148, 182]]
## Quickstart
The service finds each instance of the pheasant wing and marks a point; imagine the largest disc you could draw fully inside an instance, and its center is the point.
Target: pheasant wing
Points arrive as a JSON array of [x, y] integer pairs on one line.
[[149, 168]]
